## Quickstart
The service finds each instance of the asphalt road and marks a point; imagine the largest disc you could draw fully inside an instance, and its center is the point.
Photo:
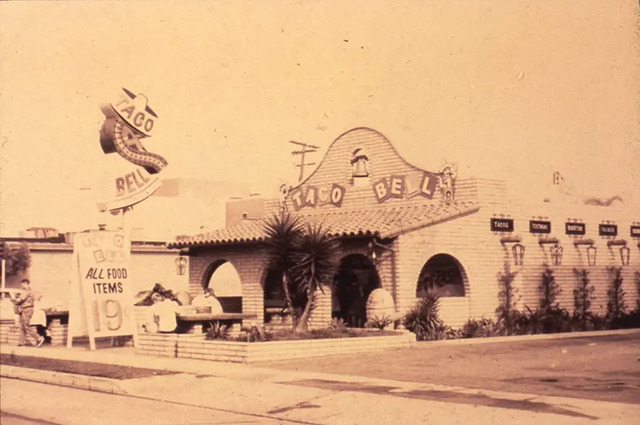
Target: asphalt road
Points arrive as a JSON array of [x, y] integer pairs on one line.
[[32, 403], [605, 368]]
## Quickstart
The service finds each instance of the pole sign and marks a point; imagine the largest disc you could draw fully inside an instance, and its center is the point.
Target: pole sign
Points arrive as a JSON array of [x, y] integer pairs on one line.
[[608, 230], [576, 229], [101, 297], [127, 123], [502, 225]]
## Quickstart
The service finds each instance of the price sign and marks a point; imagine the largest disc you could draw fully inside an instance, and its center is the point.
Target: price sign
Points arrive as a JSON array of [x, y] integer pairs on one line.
[[104, 306]]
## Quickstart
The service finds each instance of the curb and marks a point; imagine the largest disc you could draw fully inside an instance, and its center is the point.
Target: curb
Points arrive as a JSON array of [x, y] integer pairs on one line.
[[83, 382], [537, 337]]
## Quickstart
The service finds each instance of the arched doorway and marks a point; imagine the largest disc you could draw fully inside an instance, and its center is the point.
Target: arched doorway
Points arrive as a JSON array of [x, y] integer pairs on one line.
[[274, 299], [442, 275], [356, 278], [222, 277]]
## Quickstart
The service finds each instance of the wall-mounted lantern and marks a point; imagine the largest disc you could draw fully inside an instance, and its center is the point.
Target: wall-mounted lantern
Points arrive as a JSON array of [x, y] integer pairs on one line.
[[624, 250], [556, 254], [591, 255], [517, 249], [518, 254], [624, 255], [181, 265], [591, 249]]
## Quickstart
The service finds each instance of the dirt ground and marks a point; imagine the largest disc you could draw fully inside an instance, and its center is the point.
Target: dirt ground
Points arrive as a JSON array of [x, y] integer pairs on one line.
[[80, 368], [601, 368]]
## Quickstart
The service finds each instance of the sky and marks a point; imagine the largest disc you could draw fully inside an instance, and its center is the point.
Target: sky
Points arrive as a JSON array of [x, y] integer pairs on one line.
[[511, 90]]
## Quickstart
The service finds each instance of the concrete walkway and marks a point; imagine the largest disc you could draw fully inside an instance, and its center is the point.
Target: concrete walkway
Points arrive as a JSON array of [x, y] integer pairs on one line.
[[320, 398]]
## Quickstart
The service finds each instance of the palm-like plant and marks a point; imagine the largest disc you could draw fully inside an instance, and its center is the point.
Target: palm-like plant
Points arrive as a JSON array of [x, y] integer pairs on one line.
[[315, 257], [307, 259], [282, 233]]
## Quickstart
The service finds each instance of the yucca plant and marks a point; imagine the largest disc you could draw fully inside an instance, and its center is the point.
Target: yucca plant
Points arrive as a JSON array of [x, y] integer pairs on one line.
[[423, 320], [282, 233], [306, 257], [315, 262]]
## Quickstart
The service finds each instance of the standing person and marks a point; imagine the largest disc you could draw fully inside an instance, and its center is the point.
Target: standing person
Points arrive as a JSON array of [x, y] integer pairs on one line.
[[39, 319], [25, 302]]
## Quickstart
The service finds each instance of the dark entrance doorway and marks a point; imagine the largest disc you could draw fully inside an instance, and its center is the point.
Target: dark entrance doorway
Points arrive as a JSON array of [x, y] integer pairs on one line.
[[356, 278]]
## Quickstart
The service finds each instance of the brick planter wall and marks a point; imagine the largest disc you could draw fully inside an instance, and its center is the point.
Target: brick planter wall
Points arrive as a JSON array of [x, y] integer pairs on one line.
[[243, 352], [10, 332]]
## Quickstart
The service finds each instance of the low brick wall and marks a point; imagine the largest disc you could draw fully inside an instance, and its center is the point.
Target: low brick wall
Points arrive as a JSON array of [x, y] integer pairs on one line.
[[10, 332], [243, 352], [195, 346]]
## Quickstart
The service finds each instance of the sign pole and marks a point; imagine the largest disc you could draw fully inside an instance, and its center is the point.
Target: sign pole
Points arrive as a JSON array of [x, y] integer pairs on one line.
[[3, 273]]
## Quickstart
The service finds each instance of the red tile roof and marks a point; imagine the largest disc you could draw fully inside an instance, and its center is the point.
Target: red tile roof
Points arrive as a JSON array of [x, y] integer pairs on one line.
[[381, 222]]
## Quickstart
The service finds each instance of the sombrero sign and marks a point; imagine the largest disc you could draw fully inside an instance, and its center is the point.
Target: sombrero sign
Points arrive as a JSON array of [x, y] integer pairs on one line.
[[127, 123]]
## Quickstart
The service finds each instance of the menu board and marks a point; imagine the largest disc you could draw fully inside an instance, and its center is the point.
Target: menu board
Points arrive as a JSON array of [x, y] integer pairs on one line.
[[101, 302]]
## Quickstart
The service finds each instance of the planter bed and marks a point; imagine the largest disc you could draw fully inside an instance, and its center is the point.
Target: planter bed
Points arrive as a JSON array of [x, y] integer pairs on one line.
[[250, 352]]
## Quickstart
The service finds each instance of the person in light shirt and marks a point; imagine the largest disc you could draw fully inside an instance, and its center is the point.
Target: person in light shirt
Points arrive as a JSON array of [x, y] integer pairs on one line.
[[206, 299], [164, 313]]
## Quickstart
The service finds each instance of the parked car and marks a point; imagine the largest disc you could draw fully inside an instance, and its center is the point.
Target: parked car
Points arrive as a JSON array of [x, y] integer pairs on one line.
[[8, 309]]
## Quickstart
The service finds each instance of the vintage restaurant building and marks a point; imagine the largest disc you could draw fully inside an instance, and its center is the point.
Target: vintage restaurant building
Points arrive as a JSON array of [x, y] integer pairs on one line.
[[412, 231]]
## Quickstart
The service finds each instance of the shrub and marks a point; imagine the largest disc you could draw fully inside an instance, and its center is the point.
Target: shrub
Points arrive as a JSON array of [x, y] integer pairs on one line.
[[550, 290], [582, 297], [546, 320], [480, 328], [616, 305], [337, 323], [216, 330], [423, 320], [508, 316], [255, 334], [379, 322]]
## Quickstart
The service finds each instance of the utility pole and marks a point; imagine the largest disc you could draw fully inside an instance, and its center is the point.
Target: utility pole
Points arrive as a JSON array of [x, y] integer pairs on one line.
[[306, 148]]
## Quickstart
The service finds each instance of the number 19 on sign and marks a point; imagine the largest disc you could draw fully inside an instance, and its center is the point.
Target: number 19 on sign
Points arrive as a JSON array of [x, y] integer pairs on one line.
[[108, 315]]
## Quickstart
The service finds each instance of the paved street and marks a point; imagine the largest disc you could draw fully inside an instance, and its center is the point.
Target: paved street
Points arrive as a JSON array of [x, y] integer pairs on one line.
[[603, 368], [26, 402], [439, 386]]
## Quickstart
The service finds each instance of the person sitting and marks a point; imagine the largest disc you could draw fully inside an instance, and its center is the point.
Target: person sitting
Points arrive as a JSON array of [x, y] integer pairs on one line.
[[162, 315], [208, 299]]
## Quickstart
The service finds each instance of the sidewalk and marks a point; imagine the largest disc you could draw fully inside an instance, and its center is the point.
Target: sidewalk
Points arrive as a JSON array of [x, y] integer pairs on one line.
[[312, 397]]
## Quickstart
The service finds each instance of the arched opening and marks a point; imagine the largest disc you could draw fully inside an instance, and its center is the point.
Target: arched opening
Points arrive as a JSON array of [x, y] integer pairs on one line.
[[356, 278], [223, 279], [442, 275]]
